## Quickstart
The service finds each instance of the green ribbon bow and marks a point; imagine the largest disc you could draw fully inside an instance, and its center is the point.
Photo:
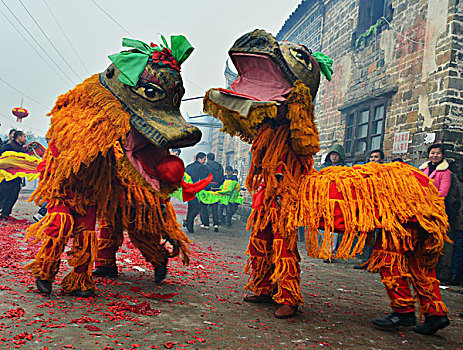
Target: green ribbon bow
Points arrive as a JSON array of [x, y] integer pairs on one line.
[[180, 47], [326, 64], [132, 64]]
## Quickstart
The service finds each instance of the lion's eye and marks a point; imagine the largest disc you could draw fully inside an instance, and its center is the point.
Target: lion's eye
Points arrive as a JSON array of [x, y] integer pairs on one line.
[[149, 91], [301, 58], [110, 72]]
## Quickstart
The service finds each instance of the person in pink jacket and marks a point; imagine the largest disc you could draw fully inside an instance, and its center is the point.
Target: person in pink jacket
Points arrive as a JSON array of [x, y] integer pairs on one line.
[[437, 168]]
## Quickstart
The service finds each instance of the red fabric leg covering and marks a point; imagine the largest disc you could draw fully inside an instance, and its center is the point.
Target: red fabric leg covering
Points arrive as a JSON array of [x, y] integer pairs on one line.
[[398, 289], [274, 268], [54, 231], [56, 225], [84, 226], [260, 262], [83, 254], [109, 241], [287, 272], [429, 296]]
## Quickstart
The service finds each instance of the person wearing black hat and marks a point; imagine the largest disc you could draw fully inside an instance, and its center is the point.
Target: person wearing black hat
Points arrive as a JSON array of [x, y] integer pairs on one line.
[[198, 171]]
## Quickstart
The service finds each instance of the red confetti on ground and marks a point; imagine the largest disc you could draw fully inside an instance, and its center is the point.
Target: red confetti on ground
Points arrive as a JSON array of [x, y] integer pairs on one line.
[[112, 308], [84, 319], [141, 309], [158, 295], [92, 328], [170, 344], [15, 313]]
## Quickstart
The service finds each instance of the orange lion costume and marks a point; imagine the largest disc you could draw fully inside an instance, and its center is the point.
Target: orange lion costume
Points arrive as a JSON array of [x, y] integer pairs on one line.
[[270, 105], [108, 158]]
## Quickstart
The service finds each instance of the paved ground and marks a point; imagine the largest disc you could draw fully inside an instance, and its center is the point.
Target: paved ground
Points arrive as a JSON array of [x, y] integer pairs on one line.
[[199, 306]]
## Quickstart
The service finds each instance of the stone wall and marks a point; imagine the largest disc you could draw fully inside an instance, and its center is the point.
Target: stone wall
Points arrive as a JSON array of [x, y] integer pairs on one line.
[[453, 57], [339, 24], [413, 59]]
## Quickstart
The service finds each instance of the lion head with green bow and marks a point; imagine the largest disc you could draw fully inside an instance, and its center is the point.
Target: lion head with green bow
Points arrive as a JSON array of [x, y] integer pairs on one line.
[[134, 103]]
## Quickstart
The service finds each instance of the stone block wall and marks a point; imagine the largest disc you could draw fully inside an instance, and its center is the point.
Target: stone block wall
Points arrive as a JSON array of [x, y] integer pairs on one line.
[[453, 135], [339, 24], [417, 57]]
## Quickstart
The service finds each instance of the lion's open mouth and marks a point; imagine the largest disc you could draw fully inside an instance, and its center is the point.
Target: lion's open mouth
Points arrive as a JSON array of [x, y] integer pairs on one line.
[[144, 156], [260, 78]]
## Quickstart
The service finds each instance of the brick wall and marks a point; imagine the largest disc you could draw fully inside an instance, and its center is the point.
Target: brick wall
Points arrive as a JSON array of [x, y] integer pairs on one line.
[[416, 62]]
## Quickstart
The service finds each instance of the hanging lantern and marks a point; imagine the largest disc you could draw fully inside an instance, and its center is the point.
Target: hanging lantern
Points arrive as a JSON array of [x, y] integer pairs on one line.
[[20, 113]]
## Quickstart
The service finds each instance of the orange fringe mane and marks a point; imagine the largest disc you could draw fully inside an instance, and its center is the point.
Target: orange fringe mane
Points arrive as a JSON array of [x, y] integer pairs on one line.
[[88, 124], [392, 189]]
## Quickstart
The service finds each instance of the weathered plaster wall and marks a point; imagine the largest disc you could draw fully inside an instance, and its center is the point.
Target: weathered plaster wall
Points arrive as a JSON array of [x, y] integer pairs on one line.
[[420, 53]]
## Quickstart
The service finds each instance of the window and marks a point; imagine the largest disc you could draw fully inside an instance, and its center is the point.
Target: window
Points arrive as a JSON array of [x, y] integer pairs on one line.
[[369, 12], [364, 130], [229, 158]]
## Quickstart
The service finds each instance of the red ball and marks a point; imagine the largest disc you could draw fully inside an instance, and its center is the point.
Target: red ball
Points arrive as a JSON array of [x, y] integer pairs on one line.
[[170, 170]]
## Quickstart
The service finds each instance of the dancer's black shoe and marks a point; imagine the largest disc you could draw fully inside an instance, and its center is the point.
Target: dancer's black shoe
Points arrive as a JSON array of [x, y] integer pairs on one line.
[[160, 272], [106, 271], [431, 325], [83, 294], [43, 286], [395, 320]]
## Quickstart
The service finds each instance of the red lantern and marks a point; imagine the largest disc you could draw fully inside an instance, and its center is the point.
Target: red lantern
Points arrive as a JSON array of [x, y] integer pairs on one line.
[[20, 113]]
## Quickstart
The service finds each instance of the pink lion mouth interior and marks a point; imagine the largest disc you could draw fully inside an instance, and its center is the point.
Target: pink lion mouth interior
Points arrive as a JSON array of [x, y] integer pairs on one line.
[[144, 156], [260, 78]]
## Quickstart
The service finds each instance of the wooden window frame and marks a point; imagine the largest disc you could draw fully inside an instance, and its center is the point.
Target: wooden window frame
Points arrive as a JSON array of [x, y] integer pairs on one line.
[[369, 11], [351, 139]]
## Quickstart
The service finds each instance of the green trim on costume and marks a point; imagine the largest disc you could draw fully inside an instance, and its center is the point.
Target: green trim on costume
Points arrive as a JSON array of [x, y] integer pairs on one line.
[[326, 64], [132, 64]]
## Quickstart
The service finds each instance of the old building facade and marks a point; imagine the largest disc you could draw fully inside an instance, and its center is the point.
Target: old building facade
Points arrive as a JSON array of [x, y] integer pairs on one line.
[[397, 83], [398, 74]]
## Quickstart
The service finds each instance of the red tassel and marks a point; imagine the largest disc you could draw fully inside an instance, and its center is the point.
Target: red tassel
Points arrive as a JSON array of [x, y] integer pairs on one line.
[[258, 199], [189, 190]]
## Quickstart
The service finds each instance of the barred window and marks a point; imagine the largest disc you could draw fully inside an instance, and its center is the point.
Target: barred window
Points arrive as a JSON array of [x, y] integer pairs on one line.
[[364, 130]]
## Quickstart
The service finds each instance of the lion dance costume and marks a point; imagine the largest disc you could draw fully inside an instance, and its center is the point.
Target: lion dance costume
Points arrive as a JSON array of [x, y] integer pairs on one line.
[[108, 158], [270, 105]]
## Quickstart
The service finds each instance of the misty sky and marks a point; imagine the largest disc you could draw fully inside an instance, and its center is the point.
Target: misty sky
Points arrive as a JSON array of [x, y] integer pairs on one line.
[[210, 26]]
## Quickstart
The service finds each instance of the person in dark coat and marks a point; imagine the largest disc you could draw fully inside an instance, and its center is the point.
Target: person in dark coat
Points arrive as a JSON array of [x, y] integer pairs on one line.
[[3, 144], [10, 138], [335, 157], [456, 227], [198, 170], [9, 190], [218, 178]]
